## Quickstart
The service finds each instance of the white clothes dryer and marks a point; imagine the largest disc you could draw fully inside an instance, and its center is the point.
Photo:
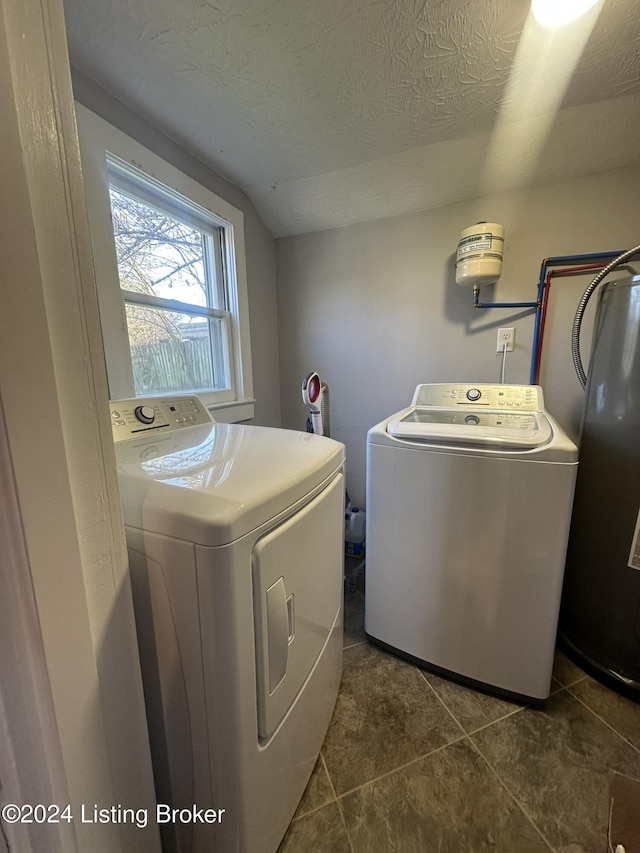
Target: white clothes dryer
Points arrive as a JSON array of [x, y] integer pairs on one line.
[[469, 494], [235, 540]]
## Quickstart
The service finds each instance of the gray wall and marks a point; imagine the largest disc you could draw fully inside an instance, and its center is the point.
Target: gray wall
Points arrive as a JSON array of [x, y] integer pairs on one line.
[[374, 309], [260, 247]]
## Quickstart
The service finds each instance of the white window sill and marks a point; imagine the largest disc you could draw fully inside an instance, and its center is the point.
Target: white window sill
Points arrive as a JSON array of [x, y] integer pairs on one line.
[[230, 413]]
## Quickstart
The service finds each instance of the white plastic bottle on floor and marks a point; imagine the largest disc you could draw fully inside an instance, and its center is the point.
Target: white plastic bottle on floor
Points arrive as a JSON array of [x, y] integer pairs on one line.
[[354, 532]]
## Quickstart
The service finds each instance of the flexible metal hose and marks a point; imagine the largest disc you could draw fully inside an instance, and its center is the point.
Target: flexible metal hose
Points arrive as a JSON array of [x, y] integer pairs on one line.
[[586, 296]]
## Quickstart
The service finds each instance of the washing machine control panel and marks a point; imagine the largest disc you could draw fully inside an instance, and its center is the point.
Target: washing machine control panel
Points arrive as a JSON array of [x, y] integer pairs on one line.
[[519, 398], [133, 418]]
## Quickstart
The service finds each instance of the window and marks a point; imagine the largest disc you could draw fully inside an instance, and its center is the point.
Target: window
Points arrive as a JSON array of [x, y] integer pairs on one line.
[[171, 268], [169, 263]]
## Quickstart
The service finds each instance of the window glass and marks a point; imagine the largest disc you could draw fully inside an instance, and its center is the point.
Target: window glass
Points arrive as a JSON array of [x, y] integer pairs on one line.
[[171, 276], [172, 351], [157, 254], [164, 264]]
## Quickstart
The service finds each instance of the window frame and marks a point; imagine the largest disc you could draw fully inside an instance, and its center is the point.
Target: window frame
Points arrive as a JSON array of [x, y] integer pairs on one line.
[[130, 181], [102, 143]]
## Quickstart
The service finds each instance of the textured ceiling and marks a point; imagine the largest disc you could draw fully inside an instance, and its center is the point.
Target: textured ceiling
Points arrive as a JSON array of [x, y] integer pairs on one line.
[[328, 112]]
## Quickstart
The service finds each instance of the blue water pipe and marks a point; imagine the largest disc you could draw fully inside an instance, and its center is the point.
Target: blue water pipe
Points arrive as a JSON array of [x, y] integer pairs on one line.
[[558, 261], [477, 304]]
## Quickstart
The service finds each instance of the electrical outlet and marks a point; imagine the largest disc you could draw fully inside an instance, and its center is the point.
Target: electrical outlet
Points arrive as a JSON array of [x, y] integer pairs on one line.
[[508, 337]]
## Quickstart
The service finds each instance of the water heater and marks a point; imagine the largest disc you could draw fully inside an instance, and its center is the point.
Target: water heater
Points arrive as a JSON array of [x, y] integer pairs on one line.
[[479, 255], [600, 615]]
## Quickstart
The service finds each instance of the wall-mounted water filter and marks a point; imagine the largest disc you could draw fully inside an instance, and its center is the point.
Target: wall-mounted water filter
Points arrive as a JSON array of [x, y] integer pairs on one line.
[[479, 255]]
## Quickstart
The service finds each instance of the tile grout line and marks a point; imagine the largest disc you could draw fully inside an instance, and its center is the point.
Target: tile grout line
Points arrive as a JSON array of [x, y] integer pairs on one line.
[[400, 767], [480, 728], [467, 737], [602, 719], [337, 802], [511, 795], [442, 702], [352, 645], [570, 684], [328, 803], [498, 719], [463, 735], [339, 797]]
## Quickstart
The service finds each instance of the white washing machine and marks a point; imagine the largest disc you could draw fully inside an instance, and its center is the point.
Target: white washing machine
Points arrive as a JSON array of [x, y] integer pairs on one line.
[[469, 494], [235, 539]]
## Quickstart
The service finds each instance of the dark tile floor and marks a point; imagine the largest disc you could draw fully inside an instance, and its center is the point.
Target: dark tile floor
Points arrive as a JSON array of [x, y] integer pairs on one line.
[[413, 762]]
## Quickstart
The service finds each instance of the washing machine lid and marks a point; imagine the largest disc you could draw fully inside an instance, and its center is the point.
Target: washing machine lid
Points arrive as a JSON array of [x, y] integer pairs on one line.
[[212, 483], [472, 426], [481, 415]]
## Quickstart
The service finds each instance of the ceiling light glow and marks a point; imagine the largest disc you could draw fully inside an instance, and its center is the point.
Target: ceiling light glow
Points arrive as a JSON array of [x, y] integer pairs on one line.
[[557, 13]]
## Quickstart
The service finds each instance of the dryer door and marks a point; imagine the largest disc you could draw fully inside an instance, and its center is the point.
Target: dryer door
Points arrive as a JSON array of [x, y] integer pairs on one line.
[[297, 577]]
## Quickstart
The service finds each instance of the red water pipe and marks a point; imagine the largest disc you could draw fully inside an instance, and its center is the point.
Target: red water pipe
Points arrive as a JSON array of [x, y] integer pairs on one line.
[[545, 302]]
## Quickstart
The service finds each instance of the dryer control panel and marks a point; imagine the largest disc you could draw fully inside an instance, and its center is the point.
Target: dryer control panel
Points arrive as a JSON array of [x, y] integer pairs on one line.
[[515, 398], [133, 418]]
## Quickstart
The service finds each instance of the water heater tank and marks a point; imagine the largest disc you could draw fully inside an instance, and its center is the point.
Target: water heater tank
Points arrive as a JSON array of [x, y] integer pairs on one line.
[[600, 616], [479, 255]]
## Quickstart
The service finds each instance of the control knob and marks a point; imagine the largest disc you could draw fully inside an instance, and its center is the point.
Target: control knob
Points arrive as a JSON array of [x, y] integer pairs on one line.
[[145, 414], [474, 394]]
